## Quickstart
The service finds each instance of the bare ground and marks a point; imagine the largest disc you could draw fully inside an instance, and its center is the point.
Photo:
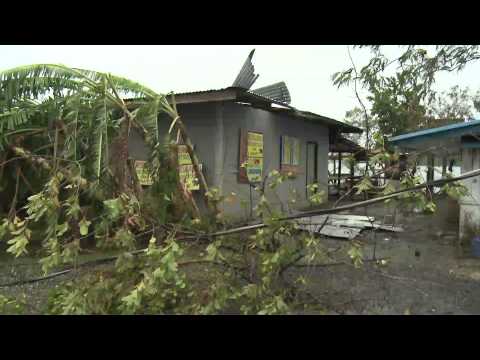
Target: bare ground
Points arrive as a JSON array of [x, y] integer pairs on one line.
[[428, 270]]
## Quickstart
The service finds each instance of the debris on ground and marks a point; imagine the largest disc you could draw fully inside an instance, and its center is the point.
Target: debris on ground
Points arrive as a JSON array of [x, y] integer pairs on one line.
[[343, 226]]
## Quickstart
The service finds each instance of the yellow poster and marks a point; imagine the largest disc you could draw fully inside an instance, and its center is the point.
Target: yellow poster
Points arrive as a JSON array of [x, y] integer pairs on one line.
[[143, 174], [255, 145], [255, 169], [255, 157], [183, 156], [186, 171]]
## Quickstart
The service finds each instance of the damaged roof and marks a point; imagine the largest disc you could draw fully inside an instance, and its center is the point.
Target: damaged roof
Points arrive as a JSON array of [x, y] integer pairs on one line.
[[243, 95]]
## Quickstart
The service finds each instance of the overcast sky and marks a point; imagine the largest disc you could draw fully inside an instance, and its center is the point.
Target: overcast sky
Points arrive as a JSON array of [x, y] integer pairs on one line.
[[307, 70]]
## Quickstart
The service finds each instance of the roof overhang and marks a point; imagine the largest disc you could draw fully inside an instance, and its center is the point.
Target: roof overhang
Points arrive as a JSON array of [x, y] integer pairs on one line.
[[236, 94], [441, 133]]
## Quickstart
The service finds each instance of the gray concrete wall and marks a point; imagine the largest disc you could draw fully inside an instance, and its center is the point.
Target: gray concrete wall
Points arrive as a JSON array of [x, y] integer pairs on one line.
[[201, 123], [273, 126], [215, 131]]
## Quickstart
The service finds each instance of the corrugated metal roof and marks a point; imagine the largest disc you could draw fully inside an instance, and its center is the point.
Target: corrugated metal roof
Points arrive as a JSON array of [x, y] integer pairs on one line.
[[248, 95], [457, 129], [277, 91], [201, 91]]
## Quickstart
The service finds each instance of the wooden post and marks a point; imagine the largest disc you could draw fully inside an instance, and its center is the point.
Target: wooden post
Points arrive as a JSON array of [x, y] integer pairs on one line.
[[444, 166], [431, 168], [352, 174], [339, 170], [334, 169]]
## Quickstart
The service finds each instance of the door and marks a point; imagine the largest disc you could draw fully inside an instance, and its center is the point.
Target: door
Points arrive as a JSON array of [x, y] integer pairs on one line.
[[311, 166]]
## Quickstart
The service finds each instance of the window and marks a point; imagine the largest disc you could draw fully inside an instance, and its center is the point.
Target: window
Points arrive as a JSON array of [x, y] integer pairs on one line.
[[290, 156]]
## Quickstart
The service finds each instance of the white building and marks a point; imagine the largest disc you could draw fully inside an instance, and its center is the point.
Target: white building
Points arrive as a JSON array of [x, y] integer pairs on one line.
[[447, 142]]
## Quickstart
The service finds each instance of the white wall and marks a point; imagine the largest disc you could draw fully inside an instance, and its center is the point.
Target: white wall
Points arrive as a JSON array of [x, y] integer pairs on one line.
[[470, 204]]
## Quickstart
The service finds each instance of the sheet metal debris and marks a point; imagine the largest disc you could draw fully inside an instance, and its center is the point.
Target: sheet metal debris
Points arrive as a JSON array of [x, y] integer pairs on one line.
[[343, 226]]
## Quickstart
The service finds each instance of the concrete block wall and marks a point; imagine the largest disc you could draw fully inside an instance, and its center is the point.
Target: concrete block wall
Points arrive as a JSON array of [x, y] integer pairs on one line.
[[215, 131]]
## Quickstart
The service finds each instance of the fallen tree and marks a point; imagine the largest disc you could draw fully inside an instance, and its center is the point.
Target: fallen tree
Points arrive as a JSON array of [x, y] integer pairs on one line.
[[249, 228]]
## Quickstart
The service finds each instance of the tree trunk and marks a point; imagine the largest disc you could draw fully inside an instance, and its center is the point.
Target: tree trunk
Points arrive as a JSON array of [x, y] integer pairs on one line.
[[196, 166], [119, 158], [185, 197]]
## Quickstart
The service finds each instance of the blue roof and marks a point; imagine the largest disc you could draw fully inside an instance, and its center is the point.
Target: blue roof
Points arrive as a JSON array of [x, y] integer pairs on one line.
[[458, 129]]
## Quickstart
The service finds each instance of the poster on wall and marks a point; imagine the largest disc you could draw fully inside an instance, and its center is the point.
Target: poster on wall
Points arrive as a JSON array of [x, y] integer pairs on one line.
[[251, 157], [254, 157], [186, 172], [255, 169], [143, 174]]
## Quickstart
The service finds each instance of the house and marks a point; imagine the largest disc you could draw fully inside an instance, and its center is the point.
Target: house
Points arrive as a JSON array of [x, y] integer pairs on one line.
[[447, 142], [233, 127]]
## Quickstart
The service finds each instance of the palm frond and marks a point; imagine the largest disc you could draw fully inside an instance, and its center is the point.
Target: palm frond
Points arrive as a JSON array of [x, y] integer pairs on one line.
[[15, 117], [124, 85], [40, 79], [100, 139], [147, 116], [36, 80]]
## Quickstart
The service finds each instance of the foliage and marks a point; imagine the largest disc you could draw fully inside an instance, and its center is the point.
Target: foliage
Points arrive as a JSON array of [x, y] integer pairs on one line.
[[400, 98], [245, 274], [356, 117], [10, 306]]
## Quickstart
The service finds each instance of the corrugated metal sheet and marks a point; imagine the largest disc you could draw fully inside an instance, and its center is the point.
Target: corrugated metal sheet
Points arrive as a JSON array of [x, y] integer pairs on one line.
[[246, 77], [277, 91]]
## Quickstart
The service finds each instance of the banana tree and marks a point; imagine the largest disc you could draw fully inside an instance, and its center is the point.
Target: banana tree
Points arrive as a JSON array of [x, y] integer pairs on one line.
[[84, 114], [64, 137]]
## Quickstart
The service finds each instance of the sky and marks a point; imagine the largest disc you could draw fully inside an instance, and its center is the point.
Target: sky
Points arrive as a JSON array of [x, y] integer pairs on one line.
[[307, 70]]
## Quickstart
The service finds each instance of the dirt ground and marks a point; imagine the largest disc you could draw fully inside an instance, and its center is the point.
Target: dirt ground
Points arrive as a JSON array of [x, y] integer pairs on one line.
[[428, 270]]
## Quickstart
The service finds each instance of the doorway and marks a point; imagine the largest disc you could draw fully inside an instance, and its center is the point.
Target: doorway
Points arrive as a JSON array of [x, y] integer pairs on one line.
[[311, 165]]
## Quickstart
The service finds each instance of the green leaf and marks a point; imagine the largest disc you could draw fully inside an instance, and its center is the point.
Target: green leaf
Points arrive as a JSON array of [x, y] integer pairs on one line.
[[84, 224], [113, 208], [364, 185], [3, 228], [62, 229], [431, 207], [389, 188], [19, 244]]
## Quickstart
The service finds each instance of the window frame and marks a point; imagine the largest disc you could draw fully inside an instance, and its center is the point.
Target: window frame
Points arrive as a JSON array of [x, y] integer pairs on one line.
[[294, 162]]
